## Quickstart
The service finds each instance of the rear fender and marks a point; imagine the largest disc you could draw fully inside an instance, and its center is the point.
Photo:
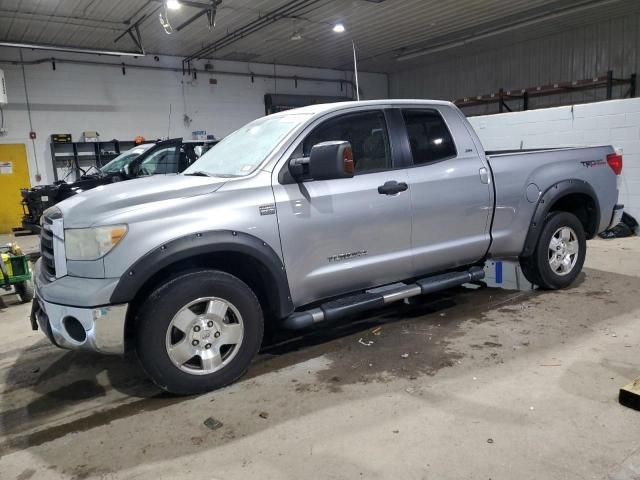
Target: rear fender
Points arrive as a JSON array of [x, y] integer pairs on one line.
[[546, 202]]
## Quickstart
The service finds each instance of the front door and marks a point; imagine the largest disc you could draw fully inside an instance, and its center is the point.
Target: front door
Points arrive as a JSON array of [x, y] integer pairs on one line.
[[344, 235], [451, 195], [162, 159]]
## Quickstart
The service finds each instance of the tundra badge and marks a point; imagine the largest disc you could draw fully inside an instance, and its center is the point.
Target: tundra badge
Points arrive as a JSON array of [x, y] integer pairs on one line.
[[346, 256], [267, 209]]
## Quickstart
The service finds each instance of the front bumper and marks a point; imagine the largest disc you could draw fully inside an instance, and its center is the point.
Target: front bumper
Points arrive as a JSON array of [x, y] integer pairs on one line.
[[99, 329]]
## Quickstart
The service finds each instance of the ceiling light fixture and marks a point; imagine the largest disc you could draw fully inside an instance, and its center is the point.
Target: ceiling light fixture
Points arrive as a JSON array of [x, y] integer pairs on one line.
[[164, 21], [173, 5], [211, 15], [339, 28]]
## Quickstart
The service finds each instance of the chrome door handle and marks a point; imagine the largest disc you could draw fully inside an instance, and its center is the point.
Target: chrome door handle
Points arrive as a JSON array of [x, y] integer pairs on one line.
[[392, 188]]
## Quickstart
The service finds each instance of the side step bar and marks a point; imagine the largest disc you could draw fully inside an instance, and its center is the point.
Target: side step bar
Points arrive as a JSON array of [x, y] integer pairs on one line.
[[371, 299]]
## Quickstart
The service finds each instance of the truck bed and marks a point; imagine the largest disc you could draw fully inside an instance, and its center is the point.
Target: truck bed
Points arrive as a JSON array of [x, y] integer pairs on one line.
[[493, 153], [522, 176]]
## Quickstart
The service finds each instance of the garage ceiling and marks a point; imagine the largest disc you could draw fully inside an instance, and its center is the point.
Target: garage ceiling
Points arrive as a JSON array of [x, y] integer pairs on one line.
[[387, 33]]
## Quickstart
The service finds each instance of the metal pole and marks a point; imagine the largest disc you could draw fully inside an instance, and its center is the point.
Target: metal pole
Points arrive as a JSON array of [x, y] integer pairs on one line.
[[609, 84], [33, 142], [183, 69], [355, 67]]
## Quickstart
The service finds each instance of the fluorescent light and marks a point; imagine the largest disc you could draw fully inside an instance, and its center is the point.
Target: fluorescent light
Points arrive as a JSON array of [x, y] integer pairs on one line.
[[500, 30], [338, 28], [173, 4]]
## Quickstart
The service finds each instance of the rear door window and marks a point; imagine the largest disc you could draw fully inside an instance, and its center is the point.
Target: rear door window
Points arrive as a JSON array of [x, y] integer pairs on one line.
[[429, 136]]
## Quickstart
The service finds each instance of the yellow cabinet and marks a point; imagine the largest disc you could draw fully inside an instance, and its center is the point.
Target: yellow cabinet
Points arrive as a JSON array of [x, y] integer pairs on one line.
[[14, 175]]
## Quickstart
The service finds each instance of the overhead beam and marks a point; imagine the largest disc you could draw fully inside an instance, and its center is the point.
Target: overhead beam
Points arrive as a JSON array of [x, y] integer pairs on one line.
[[190, 20], [209, 11], [60, 48], [285, 11], [71, 20], [189, 3]]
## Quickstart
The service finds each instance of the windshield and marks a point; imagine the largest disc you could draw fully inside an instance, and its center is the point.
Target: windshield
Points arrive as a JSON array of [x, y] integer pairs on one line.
[[125, 158], [240, 153]]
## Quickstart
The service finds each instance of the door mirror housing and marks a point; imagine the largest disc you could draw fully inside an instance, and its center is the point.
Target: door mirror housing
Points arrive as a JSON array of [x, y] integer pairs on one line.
[[126, 171], [327, 161]]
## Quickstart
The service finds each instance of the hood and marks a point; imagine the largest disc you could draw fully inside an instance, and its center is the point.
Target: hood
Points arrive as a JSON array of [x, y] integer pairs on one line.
[[89, 207]]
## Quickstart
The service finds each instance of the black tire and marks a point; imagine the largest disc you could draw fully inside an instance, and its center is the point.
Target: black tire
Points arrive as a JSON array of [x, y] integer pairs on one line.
[[24, 290], [537, 267], [155, 317]]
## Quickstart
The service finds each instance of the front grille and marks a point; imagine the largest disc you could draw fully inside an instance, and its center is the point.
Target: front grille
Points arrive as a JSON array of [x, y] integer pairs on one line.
[[46, 248]]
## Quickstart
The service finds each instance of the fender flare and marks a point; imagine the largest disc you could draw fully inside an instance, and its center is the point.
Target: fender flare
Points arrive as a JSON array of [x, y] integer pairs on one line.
[[203, 243], [547, 200]]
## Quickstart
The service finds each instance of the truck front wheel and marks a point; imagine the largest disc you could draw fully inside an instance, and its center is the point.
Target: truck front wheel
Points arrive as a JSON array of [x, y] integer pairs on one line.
[[559, 254], [198, 331]]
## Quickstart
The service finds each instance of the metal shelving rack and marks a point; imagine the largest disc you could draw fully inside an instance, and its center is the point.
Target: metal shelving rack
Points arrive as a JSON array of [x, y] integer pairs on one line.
[[78, 157], [501, 97]]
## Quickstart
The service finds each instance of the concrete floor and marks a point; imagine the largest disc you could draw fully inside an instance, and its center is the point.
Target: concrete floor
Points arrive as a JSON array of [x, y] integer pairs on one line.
[[497, 385]]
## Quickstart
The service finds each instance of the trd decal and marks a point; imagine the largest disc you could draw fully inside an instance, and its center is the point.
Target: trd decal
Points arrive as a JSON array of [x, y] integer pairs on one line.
[[593, 163]]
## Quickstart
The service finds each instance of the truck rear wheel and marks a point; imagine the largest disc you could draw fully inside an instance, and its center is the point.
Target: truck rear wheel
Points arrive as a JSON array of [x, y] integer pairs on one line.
[[198, 332], [559, 254]]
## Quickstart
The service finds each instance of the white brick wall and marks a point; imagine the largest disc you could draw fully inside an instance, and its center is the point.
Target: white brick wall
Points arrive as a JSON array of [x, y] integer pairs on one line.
[[616, 122]]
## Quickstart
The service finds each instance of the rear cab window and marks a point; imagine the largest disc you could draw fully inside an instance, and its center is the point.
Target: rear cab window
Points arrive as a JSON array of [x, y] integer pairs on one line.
[[429, 137]]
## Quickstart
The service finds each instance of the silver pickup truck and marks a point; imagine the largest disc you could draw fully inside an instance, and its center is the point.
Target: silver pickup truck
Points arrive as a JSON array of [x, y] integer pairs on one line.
[[304, 217]]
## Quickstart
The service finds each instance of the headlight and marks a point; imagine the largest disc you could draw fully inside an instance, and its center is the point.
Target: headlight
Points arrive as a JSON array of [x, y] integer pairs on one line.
[[92, 243]]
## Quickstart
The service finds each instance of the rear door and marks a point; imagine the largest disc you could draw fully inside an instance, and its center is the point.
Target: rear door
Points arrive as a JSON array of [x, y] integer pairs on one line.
[[345, 235], [451, 195]]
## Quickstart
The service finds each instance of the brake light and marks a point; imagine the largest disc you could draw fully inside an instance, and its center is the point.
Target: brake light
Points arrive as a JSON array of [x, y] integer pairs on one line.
[[615, 162]]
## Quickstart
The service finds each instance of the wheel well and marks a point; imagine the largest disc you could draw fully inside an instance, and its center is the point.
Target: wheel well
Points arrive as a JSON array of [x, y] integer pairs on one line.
[[582, 206], [245, 267]]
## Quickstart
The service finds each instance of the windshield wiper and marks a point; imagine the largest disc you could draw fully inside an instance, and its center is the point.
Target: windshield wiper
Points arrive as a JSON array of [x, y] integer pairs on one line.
[[200, 173]]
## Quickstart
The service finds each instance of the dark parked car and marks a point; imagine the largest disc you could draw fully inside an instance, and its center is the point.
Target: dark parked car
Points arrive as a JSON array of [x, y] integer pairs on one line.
[[163, 157]]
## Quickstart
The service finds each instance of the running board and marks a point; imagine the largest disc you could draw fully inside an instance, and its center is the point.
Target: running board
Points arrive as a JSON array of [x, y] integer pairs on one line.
[[377, 297]]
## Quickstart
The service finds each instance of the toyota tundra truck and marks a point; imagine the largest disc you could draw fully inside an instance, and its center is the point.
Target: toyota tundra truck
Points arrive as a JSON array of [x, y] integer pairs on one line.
[[305, 217]]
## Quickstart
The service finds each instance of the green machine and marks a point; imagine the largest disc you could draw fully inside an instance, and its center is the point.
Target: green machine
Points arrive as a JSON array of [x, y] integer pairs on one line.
[[15, 271]]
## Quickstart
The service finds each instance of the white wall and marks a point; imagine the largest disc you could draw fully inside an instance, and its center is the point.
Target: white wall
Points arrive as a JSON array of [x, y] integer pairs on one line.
[[615, 122], [75, 98]]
